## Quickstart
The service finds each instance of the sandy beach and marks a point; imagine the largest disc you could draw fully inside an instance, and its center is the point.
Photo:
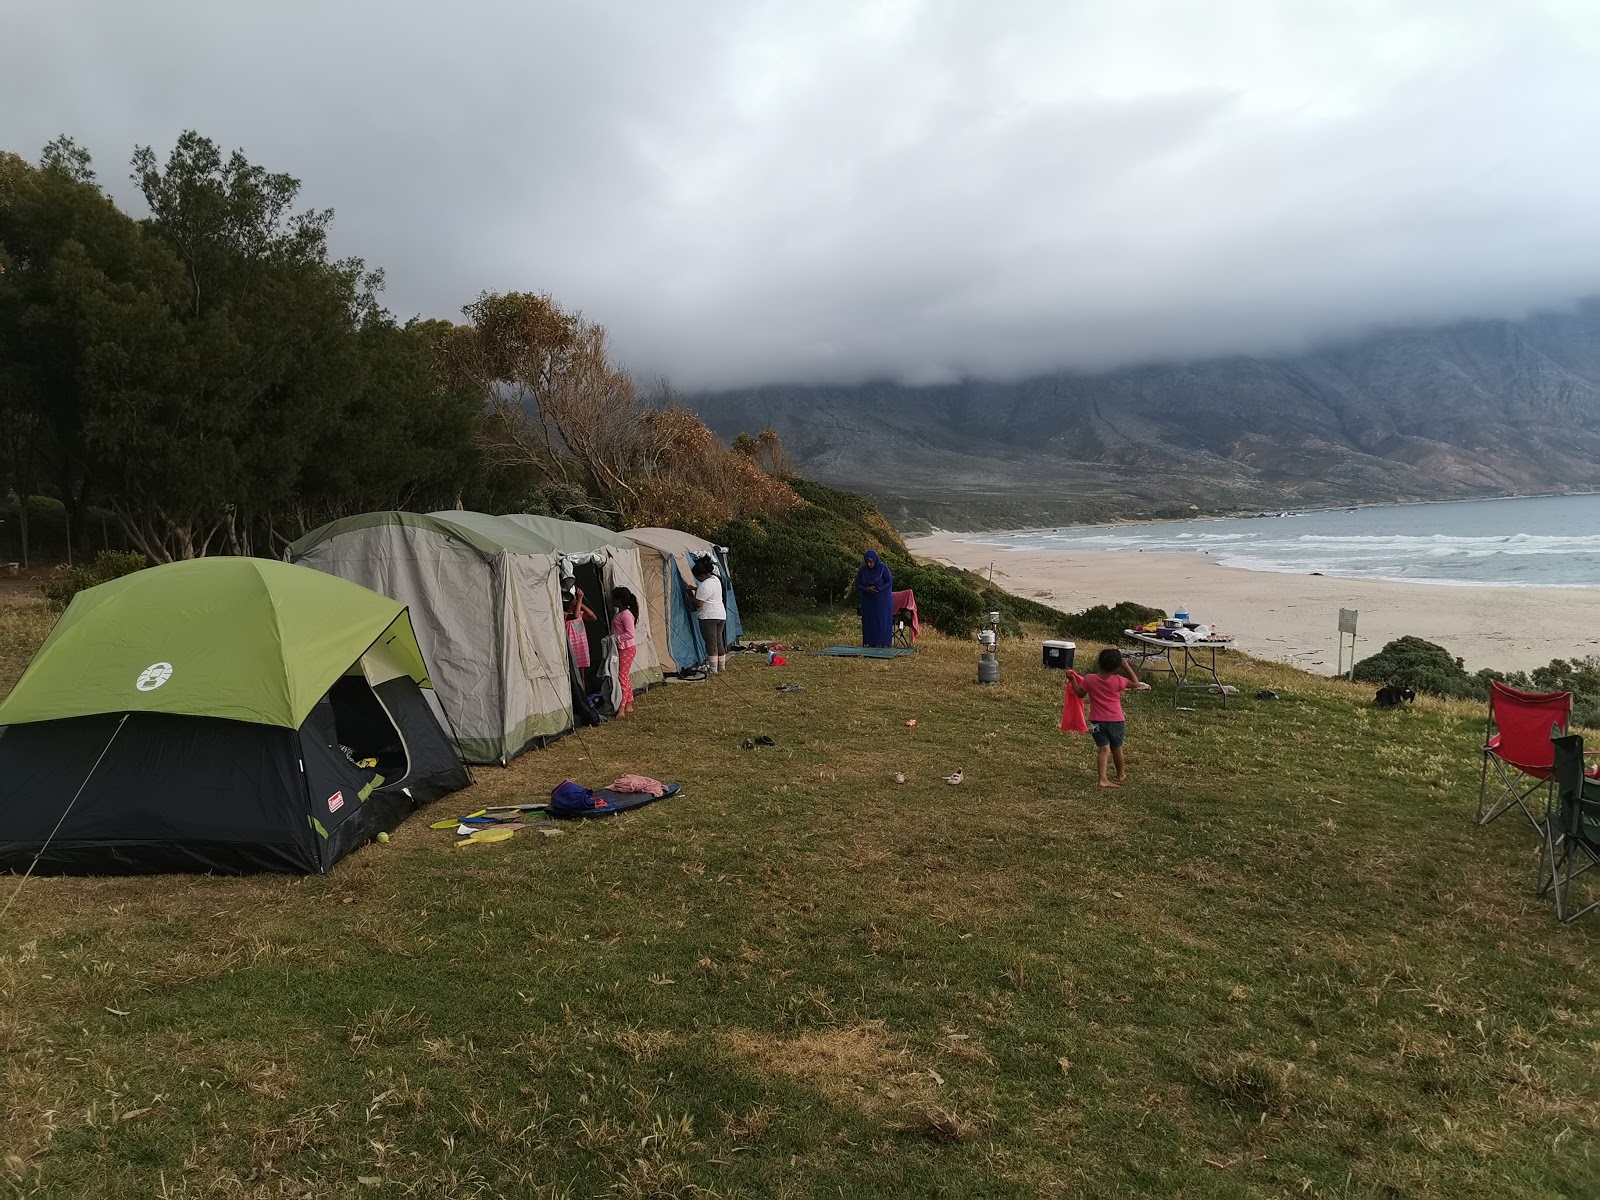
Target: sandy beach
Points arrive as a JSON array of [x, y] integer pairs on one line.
[[1293, 618]]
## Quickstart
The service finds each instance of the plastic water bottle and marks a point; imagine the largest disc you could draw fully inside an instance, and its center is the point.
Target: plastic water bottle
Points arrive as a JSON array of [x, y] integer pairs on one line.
[[1182, 614]]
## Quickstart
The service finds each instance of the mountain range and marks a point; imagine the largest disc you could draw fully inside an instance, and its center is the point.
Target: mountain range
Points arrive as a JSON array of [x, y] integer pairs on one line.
[[1474, 408]]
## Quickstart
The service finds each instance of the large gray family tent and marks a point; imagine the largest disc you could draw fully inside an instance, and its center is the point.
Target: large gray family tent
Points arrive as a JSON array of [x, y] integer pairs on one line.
[[485, 600], [224, 714], [667, 557], [600, 560]]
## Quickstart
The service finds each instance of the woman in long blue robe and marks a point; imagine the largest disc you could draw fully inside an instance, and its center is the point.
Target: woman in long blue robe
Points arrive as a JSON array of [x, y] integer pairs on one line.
[[876, 586]]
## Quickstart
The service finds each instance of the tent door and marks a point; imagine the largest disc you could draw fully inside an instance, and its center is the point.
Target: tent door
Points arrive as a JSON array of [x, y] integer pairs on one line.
[[597, 596], [353, 715]]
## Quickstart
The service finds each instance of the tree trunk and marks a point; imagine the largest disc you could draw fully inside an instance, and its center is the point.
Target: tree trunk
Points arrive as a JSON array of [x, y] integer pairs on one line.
[[75, 499]]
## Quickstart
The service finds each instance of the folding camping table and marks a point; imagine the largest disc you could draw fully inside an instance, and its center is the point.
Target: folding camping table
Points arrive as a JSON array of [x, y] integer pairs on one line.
[[1181, 659]]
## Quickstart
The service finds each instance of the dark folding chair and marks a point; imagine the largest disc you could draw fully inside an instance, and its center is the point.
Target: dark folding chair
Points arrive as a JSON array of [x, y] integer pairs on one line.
[[1571, 828], [1516, 744]]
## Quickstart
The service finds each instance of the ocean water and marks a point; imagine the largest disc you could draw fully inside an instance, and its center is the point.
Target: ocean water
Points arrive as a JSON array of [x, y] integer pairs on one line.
[[1543, 541]]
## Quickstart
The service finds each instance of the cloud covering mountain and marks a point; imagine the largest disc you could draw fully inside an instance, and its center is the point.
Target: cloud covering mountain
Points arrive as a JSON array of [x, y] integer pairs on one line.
[[748, 191]]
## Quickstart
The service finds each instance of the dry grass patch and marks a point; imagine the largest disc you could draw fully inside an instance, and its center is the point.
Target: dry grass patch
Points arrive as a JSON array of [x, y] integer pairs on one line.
[[857, 1068], [23, 625]]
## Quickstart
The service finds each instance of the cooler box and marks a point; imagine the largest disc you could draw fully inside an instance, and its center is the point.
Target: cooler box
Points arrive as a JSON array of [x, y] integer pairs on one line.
[[1060, 655]]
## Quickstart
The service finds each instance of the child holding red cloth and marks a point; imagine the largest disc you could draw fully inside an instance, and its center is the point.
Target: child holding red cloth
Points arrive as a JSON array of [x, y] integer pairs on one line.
[[1107, 722]]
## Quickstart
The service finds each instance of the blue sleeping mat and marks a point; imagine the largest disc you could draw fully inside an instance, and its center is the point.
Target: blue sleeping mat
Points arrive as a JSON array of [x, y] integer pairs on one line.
[[616, 802], [866, 651]]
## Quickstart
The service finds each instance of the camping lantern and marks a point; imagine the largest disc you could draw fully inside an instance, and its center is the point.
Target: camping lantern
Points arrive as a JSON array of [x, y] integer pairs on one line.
[[988, 665]]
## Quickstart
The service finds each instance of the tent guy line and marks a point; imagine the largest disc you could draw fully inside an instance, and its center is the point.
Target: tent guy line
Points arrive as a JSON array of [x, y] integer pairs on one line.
[[104, 750]]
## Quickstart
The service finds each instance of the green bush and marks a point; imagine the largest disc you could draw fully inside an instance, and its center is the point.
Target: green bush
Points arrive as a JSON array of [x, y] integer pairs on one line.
[[788, 563], [107, 565], [944, 600], [807, 557], [1423, 666], [1426, 667], [1105, 622], [869, 526], [1580, 676]]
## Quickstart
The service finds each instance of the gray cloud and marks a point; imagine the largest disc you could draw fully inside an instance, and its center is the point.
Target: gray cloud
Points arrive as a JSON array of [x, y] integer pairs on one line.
[[751, 191]]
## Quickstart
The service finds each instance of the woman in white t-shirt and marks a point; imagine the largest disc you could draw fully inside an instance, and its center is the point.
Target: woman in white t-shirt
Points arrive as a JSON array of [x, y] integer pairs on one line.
[[706, 597]]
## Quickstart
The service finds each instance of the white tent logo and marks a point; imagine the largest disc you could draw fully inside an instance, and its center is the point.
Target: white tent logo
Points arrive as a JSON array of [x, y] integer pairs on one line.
[[153, 676]]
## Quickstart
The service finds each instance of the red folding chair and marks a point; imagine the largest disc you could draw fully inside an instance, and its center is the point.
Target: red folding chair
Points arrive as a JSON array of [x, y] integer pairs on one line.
[[1517, 744]]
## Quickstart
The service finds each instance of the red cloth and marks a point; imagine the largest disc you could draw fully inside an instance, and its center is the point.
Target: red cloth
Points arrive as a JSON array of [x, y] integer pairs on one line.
[[625, 657], [1072, 709], [1522, 723], [1105, 695], [906, 601]]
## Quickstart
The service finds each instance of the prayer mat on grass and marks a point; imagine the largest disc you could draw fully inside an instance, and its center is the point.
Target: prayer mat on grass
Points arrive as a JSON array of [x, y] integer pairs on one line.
[[866, 651]]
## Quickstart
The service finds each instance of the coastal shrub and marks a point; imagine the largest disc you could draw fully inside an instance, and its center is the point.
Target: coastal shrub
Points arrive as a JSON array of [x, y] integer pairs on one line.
[[786, 564], [1105, 622], [1580, 676], [857, 514], [1429, 668], [1421, 665], [944, 600], [808, 556], [107, 565]]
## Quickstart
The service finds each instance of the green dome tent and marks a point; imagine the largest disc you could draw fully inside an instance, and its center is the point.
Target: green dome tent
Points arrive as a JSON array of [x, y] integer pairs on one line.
[[211, 715], [485, 598]]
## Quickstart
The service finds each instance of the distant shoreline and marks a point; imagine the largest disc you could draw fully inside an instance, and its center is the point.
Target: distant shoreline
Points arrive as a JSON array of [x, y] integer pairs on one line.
[[1292, 617], [1253, 514]]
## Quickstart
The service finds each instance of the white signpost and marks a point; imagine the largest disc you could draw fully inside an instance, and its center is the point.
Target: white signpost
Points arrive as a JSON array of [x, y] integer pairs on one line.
[[1347, 625]]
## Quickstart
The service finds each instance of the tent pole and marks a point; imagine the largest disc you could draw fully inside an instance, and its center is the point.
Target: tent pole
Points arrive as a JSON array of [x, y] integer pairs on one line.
[[64, 812]]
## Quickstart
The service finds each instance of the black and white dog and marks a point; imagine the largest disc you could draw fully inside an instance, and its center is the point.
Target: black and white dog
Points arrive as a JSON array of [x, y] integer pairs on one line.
[[1393, 697]]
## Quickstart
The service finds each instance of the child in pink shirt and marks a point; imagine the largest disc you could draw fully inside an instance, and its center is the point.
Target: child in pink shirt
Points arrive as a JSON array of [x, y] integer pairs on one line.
[[624, 627], [1107, 722]]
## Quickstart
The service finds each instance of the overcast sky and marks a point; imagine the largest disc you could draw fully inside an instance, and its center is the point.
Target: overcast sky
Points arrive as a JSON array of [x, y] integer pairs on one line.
[[750, 191]]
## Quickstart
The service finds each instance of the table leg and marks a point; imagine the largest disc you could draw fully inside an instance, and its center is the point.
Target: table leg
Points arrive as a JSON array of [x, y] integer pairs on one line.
[[1191, 660]]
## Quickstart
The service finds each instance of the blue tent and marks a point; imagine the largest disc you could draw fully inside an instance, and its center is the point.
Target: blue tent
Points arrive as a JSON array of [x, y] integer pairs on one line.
[[667, 559]]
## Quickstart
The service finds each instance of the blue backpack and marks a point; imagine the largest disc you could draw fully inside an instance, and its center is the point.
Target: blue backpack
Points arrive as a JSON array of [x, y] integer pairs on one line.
[[569, 797]]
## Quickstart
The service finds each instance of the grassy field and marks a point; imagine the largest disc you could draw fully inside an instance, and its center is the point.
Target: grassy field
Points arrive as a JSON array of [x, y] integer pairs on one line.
[[1280, 961]]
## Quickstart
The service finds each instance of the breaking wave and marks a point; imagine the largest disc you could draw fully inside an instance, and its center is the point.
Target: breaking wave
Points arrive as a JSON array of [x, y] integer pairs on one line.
[[1542, 542]]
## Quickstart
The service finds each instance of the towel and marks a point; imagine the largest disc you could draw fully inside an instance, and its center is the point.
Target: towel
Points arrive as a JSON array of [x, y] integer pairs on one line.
[[1072, 719], [638, 783]]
